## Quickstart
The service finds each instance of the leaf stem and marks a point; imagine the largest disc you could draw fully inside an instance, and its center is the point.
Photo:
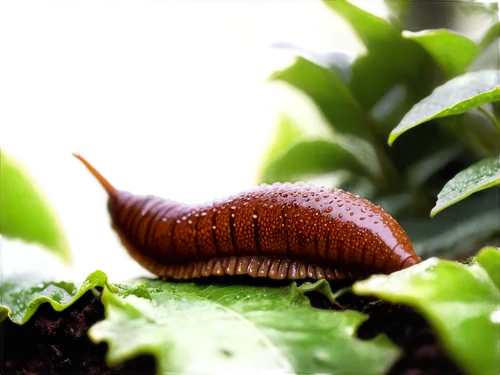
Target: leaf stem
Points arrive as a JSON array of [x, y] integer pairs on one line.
[[490, 116], [391, 173], [489, 36]]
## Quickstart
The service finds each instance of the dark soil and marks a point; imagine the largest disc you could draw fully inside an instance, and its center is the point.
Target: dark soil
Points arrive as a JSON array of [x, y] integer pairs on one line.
[[57, 342], [54, 342]]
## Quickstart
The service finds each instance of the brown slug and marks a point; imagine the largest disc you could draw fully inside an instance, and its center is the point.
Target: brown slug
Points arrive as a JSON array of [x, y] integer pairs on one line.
[[279, 231]]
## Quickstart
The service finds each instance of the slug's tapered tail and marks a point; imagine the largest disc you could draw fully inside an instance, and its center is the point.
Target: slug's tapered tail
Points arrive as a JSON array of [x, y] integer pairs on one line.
[[105, 183]]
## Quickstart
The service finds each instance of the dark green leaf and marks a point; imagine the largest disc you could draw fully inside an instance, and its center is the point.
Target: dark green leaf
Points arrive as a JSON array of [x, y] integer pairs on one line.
[[451, 238], [395, 204], [474, 130], [390, 60], [456, 96], [458, 229], [301, 146], [419, 172], [460, 302], [452, 52], [328, 92], [477, 177]]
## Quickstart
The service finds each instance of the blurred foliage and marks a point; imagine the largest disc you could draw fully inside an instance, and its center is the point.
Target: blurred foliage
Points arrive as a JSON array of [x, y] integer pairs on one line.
[[418, 113], [25, 211]]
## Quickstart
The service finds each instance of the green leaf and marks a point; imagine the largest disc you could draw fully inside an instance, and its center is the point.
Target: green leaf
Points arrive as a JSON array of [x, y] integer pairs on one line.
[[460, 302], [456, 96], [328, 92], [373, 31], [25, 212], [301, 146], [196, 329], [20, 299], [452, 51], [477, 177], [391, 59], [338, 61], [458, 229], [451, 237]]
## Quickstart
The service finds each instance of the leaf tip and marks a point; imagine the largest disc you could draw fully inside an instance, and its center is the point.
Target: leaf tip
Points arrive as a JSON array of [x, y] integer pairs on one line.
[[392, 138], [434, 211]]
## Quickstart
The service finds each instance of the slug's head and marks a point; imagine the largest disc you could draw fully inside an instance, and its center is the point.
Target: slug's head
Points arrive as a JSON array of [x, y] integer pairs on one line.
[[402, 256]]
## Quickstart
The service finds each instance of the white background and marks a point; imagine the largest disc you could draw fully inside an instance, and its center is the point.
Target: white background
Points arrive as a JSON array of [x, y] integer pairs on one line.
[[163, 97]]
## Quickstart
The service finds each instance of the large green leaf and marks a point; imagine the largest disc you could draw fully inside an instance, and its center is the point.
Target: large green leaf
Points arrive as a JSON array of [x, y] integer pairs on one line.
[[452, 52], [25, 211], [477, 177], [328, 92], [456, 96], [462, 303], [200, 329], [301, 147]]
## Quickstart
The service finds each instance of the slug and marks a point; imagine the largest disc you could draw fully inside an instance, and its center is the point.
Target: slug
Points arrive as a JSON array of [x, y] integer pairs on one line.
[[278, 231]]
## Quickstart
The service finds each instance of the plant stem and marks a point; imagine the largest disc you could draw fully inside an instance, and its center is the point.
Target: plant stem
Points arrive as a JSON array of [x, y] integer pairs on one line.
[[492, 118], [489, 36]]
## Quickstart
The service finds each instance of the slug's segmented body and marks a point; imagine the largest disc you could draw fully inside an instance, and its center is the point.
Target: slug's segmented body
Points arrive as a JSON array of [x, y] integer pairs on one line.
[[292, 231]]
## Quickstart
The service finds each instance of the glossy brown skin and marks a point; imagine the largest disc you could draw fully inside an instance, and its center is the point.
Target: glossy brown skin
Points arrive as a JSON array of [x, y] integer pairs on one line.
[[281, 231]]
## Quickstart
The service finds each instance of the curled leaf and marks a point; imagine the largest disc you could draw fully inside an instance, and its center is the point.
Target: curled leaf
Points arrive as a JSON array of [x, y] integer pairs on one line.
[[460, 302], [20, 299]]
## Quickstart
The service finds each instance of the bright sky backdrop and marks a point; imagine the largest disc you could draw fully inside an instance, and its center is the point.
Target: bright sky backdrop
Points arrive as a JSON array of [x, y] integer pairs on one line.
[[163, 97]]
